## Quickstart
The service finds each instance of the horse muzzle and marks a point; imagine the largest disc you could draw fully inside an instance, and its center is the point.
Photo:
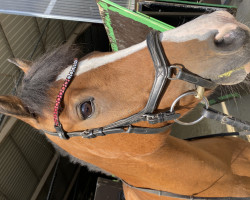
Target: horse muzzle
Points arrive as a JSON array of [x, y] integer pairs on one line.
[[230, 38]]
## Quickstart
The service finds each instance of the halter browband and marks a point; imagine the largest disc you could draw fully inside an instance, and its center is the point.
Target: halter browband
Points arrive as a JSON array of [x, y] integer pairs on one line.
[[163, 72], [57, 124]]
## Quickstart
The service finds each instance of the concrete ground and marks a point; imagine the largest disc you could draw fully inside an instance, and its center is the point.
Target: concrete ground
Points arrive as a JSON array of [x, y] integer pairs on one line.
[[238, 107]]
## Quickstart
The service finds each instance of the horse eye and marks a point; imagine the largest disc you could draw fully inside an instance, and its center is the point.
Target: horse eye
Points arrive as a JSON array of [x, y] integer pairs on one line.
[[86, 109]]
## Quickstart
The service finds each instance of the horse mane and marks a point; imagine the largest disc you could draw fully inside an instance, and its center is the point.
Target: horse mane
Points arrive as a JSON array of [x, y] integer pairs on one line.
[[42, 75]]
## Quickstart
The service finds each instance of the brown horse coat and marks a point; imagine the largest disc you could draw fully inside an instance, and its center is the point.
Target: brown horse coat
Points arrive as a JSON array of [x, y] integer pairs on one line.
[[120, 83]]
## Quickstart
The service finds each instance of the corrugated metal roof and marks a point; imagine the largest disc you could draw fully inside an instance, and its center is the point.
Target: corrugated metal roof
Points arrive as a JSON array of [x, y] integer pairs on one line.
[[21, 33], [75, 10], [24, 153], [18, 38], [8, 72]]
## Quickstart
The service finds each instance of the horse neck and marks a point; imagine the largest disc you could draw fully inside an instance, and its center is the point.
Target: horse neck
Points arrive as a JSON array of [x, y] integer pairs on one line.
[[135, 158], [152, 161]]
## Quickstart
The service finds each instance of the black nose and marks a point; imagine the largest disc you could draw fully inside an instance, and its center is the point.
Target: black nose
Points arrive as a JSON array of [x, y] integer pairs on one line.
[[232, 40]]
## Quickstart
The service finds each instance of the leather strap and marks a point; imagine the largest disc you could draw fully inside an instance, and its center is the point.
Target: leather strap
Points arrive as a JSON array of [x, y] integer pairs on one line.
[[160, 65], [180, 196], [225, 119], [102, 132], [160, 117], [191, 78], [242, 133]]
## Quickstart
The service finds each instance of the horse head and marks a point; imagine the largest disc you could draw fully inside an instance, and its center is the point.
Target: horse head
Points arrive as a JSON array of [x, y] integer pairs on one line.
[[213, 46], [112, 86]]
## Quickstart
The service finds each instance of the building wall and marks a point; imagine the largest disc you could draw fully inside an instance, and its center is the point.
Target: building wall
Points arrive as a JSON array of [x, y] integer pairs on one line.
[[25, 154], [19, 37], [24, 157]]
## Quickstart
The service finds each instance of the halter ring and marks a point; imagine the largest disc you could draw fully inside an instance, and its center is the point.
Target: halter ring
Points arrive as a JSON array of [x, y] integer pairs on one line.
[[170, 72], [183, 95]]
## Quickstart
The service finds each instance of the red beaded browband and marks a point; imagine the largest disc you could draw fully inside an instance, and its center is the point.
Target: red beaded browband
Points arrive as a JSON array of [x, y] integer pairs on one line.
[[57, 124]]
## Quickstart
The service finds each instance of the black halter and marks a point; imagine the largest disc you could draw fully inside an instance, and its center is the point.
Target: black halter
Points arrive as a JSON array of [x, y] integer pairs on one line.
[[163, 72]]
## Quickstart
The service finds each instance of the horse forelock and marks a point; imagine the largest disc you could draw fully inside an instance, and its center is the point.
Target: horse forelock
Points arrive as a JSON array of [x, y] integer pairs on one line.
[[42, 76]]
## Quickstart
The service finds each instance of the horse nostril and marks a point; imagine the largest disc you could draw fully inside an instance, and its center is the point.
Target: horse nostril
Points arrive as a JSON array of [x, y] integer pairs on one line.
[[232, 40], [225, 40]]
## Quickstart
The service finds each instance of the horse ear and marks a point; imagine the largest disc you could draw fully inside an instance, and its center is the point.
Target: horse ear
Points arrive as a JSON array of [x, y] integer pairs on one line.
[[13, 106], [22, 64]]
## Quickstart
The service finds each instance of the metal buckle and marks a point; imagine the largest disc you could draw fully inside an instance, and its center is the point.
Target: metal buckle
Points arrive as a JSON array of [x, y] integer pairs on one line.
[[61, 133], [170, 72], [99, 132], [88, 134], [93, 133], [224, 119], [183, 95], [160, 117], [129, 130], [152, 118]]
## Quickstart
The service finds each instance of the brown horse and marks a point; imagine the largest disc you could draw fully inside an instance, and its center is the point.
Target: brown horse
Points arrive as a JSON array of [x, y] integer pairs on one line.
[[112, 86]]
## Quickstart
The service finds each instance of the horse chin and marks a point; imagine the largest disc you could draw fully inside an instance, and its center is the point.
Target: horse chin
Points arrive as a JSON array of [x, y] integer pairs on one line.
[[232, 77]]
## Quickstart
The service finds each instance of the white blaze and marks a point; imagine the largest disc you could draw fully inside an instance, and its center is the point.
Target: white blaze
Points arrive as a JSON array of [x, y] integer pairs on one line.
[[92, 63], [200, 29]]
